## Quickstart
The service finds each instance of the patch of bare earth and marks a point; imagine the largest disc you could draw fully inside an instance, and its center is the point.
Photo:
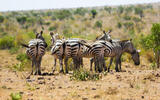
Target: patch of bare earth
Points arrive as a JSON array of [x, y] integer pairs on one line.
[[131, 84]]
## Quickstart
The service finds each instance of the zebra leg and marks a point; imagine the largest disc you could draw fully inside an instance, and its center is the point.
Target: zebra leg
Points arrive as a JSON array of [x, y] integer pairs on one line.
[[39, 66], [54, 67], [66, 66], [117, 62], [61, 65], [36, 68], [104, 64], [91, 62], [81, 62], [110, 63], [32, 70], [120, 64]]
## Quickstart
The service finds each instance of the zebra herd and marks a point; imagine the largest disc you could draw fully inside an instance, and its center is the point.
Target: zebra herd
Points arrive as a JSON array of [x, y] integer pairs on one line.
[[75, 48]]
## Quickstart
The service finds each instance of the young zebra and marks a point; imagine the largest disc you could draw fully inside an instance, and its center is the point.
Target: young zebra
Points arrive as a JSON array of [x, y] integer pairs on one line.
[[57, 50], [35, 51], [116, 49]]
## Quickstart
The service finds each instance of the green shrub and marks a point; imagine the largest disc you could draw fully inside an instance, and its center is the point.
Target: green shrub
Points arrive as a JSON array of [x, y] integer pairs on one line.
[[127, 17], [83, 75], [98, 24], [21, 19], [136, 19], [80, 11], [94, 13], [16, 96], [120, 9], [13, 50], [129, 25], [1, 19], [108, 9], [119, 24], [6, 42], [22, 57], [62, 14], [52, 28]]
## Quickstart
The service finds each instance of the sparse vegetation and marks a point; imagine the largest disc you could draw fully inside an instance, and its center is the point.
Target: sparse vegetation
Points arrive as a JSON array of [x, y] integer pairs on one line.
[[83, 75], [16, 96]]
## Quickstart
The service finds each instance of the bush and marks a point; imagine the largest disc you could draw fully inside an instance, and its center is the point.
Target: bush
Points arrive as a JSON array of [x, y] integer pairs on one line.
[[83, 75], [6, 42], [120, 9], [13, 50], [80, 11], [136, 19], [21, 19], [22, 57], [127, 17], [98, 24], [1, 19], [16, 96], [129, 25], [119, 24], [62, 14], [52, 28], [108, 9]]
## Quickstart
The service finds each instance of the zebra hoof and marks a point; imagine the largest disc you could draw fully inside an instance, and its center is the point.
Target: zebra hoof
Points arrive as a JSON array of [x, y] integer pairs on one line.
[[39, 73], [61, 71], [35, 73]]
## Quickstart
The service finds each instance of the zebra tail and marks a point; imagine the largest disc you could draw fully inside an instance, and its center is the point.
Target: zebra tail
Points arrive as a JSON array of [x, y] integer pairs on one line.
[[24, 45]]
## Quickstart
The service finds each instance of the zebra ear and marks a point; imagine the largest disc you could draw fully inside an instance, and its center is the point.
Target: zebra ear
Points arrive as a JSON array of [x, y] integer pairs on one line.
[[51, 33], [138, 50], [41, 32], [104, 32]]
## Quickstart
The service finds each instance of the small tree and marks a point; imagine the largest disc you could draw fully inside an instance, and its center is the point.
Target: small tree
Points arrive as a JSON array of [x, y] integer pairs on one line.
[[94, 13], [152, 41]]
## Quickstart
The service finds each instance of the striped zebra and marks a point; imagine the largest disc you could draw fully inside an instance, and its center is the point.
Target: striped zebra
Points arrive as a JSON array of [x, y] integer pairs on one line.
[[57, 50], [35, 51], [116, 49], [105, 36], [74, 50]]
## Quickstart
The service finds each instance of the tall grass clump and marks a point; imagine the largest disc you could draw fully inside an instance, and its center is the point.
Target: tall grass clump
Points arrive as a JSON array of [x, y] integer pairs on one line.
[[16, 96]]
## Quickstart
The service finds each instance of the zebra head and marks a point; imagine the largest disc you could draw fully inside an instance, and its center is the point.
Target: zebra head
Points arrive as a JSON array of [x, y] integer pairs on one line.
[[128, 46], [39, 36], [106, 36], [54, 37]]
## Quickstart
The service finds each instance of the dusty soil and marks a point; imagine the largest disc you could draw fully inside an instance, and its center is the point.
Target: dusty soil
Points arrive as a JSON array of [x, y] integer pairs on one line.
[[134, 83]]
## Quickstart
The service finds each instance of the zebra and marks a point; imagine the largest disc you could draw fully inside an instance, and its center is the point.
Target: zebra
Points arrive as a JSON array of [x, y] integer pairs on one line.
[[116, 49], [57, 50], [35, 50], [74, 50], [105, 36]]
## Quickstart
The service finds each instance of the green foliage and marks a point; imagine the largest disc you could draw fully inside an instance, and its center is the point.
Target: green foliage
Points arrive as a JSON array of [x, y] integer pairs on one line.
[[108, 9], [127, 17], [80, 11], [153, 39], [119, 24], [139, 11], [62, 14], [120, 9], [128, 9], [83, 75], [131, 32], [98, 24], [6, 42], [22, 57], [129, 25], [14, 50], [94, 13], [1, 19], [21, 19], [136, 19], [16, 96], [52, 28]]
